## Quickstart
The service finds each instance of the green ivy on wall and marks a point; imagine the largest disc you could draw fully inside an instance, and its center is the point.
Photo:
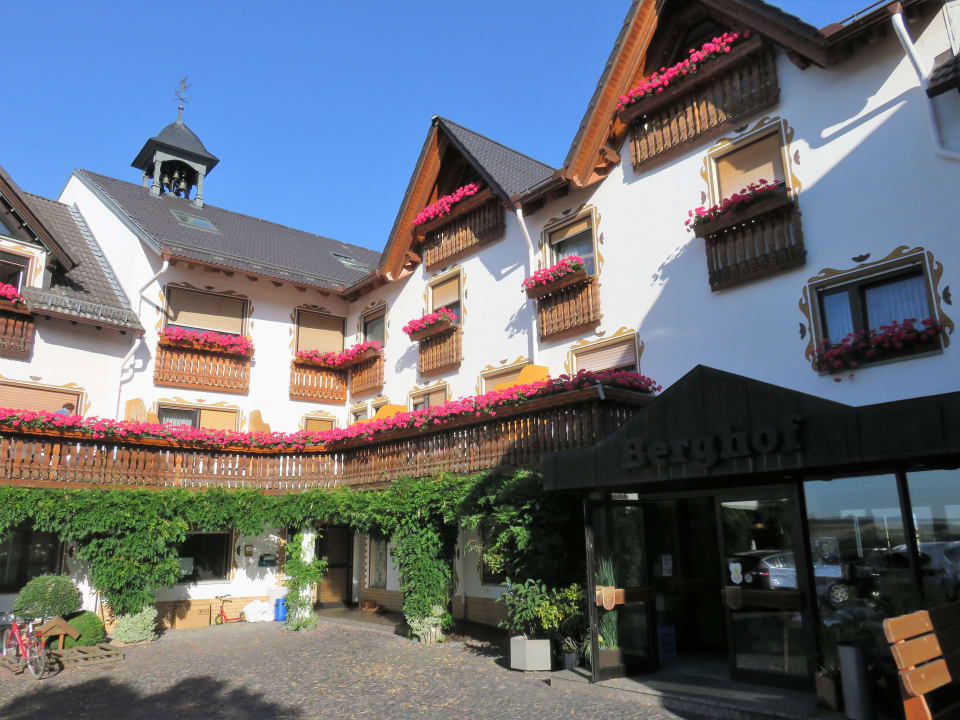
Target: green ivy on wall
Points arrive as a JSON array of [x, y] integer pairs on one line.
[[128, 537]]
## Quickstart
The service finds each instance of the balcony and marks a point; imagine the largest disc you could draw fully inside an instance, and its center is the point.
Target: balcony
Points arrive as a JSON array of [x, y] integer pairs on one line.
[[16, 331], [440, 352], [721, 93], [315, 382], [516, 437], [201, 369], [461, 234], [367, 376], [568, 309], [763, 239]]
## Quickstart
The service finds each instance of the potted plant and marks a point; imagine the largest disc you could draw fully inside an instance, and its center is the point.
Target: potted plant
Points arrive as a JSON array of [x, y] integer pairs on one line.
[[331, 359], [569, 271], [607, 630], [828, 671], [529, 649], [443, 206], [571, 627], [11, 299]]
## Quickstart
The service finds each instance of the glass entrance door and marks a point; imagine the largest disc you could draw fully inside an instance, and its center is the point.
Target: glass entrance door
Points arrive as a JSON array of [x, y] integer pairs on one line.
[[762, 590]]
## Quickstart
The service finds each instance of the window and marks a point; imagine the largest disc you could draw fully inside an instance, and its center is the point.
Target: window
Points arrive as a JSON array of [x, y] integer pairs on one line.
[[378, 564], [24, 554], [210, 418], [428, 398], [316, 331], [573, 239], [488, 576], [13, 269], [27, 397], [5, 228], [747, 163], [618, 355], [204, 556], [358, 414], [446, 293], [936, 513], [350, 262], [872, 301], [194, 310], [506, 377], [194, 221], [317, 424], [374, 327]]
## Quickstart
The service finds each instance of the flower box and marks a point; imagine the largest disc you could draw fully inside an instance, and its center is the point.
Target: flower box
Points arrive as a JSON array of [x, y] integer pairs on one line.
[[444, 205], [423, 229], [577, 276], [888, 341], [203, 347], [14, 307], [437, 328], [761, 206], [706, 72], [338, 361]]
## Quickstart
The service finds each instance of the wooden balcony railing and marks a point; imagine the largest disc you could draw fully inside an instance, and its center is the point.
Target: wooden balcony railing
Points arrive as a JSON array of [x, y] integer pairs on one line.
[[313, 382], [568, 309], [440, 351], [722, 92], [515, 437], [463, 234], [200, 369], [764, 239], [367, 376], [16, 334]]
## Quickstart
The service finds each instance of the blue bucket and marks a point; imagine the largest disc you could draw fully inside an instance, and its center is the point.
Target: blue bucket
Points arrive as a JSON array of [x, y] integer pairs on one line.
[[280, 610]]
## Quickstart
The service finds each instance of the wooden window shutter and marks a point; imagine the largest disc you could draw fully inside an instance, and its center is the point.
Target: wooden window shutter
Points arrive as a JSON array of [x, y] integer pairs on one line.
[[502, 376], [317, 424], [760, 160], [31, 398], [218, 419], [446, 293], [437, 397], [205, 311], [316, 331], [570, 230], [606, 357]]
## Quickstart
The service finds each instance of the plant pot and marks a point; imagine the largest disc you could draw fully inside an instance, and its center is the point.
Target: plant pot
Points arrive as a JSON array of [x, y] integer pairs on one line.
[[438, 327], [578, 276], [10, 306], [529, 655], [610, 658], [766, 203], [571, 658], [828, 691], [203, 347]]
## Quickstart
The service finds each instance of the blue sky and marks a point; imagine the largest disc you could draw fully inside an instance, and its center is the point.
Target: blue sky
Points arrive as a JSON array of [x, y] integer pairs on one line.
[[317, 110]]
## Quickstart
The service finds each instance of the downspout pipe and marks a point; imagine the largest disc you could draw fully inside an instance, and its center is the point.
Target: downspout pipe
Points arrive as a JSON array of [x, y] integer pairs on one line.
[[531, 255], [903, 35], [124, 377]]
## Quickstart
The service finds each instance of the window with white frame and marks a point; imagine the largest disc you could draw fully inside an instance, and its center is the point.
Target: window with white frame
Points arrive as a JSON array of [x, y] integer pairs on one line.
[[13, 269], [198, 417], [195, 310], [375, 327], [428, 398], [620, 354], [359, 413], [378, 563], [574, 238], [446, 293], [504, 377], [314, 424], [204, 556], [738, 165]]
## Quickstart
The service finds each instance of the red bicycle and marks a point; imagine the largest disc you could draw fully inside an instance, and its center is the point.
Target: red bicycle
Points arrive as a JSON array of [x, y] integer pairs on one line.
[[222, 618], [26, 647]]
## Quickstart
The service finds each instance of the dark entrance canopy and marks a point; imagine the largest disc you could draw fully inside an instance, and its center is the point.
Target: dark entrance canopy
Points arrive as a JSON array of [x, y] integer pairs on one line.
[[714, 424]]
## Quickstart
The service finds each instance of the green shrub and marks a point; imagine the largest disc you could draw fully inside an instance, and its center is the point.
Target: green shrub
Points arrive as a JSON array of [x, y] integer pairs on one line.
[[301, 577], [523, 603], [46, 596], [91, 630], [140, 627]]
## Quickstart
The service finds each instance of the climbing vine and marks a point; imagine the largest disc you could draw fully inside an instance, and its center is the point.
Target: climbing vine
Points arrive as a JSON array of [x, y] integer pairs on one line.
[[302, 575], [128, 538]]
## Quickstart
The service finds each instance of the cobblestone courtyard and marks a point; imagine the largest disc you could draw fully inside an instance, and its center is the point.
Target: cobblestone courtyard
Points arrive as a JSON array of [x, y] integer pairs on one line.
[[256, 671]]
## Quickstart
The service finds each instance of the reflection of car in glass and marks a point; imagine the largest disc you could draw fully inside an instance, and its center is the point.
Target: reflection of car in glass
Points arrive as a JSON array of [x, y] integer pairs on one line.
[[939, 565], [773, 570]]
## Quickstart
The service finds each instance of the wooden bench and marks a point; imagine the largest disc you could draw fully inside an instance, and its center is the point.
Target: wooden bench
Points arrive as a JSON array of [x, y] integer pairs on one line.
[[926, 648]]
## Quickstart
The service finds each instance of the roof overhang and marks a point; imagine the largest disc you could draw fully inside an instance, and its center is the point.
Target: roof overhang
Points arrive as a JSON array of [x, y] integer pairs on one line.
[[12, 193]]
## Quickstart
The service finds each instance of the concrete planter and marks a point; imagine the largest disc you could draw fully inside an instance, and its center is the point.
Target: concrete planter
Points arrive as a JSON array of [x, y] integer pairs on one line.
[[528, 655]]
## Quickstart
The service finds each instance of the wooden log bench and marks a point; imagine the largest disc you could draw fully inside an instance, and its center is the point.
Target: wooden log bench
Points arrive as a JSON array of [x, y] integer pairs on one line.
[[926, 648]]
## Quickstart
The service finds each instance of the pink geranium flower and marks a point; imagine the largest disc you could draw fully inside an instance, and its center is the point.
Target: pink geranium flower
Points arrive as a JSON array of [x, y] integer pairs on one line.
[[335, 359], [430, 319], [9, 292], [554, 272], [236, 344], [445, 204]]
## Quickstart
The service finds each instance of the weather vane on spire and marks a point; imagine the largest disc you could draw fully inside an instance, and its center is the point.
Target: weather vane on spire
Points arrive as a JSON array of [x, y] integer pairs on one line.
[[181, 97]]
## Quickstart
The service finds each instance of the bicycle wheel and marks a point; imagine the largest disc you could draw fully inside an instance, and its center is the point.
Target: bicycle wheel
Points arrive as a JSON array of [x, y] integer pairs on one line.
[[36, 657], [9, 647]]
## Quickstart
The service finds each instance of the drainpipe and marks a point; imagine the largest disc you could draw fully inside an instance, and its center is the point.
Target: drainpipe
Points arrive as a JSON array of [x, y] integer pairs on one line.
[[900, 28], [139, 341], [531, 255]]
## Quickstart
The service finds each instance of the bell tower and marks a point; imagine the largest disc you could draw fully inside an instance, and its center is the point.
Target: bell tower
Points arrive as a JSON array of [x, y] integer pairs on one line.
[[175, 162]]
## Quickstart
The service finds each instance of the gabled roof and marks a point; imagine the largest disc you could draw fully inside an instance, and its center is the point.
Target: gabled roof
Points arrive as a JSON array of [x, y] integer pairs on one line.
[[89, 291], [15, 196], [803, 42], [236, 241], [507, 172]]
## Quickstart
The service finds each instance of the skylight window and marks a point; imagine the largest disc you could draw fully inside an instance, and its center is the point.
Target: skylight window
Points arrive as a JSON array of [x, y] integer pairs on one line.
[[194, 221], [350, 262]]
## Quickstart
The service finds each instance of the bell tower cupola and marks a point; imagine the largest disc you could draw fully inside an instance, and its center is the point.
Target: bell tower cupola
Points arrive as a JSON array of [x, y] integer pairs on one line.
[[175, 162]]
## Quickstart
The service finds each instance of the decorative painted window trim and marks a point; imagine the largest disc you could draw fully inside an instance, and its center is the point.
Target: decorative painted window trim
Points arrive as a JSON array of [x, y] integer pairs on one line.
[[83, 400], [247, 305], [416, 393], [490, 371], [900, 260], [238, 414], [762, 129], [297, 325], [622, 335], [548, 257]]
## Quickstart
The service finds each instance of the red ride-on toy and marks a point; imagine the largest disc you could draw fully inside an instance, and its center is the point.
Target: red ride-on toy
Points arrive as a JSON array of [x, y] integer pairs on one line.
[[222, 618]]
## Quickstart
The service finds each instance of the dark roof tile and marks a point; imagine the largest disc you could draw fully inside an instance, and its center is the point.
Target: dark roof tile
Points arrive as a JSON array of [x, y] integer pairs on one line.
[[944, 77]]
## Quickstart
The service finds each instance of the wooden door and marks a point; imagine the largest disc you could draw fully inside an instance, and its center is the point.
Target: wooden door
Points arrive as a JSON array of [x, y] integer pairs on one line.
[[334, 544]]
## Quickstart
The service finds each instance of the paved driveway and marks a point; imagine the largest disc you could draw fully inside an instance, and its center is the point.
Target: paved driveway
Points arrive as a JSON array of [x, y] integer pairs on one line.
[[256, 671]]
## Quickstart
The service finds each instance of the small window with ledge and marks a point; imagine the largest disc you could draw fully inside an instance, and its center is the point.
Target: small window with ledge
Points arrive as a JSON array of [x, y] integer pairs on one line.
[[198, 417], [204, 556], [504, 377], [747, 162], [446, 293], [359, 413], [13, 269], [313, 424], [429, 398], [26, 553], [195, 310], [619, 354], [374, 327], [575, 238], [319, 331]]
